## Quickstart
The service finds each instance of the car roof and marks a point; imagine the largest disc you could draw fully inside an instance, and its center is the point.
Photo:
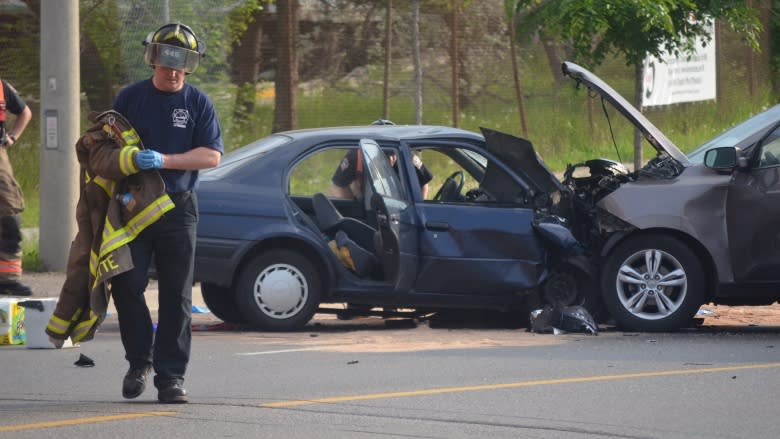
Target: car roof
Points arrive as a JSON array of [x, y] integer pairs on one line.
[[383, 132]]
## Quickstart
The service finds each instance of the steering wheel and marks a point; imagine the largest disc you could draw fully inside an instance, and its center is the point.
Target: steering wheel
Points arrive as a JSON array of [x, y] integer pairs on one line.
[[451, 188]]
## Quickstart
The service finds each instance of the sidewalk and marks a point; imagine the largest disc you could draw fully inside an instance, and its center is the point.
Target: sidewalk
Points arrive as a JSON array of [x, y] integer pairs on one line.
[[48, 284]]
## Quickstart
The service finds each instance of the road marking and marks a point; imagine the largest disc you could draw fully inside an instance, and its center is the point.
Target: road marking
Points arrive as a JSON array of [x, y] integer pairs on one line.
[[92, 420], [280, 351], [590, 379]]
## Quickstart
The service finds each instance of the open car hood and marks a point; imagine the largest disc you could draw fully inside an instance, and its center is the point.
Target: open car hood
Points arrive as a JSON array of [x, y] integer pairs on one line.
[[519, 154], [656, 138]]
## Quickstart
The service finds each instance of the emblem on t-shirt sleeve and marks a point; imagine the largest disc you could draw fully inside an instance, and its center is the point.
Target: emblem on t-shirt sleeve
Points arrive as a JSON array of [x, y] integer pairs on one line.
[[180, 117]]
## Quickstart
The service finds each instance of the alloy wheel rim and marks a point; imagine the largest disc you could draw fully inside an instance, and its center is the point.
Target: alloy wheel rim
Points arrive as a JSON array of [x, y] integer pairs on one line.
[[651, 284]]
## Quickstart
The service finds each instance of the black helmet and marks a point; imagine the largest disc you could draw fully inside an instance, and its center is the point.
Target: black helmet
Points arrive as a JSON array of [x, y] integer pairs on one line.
[[175, 46]]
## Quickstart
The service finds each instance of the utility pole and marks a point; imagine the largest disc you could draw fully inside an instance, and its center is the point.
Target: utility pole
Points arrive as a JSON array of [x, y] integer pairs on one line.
[[60, 118], [166, 12]]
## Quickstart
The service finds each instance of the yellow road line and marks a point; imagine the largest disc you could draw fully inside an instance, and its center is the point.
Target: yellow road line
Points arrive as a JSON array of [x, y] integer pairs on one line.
[[79, 421], [590, 379]]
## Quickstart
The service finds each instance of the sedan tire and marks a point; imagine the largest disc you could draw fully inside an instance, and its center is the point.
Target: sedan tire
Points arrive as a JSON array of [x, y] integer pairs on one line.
[[652, 283], [221, 302], [278, 290]]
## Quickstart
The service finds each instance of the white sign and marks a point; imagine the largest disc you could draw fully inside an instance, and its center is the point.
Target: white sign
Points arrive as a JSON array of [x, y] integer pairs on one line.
[[687, 78], [51, 130]]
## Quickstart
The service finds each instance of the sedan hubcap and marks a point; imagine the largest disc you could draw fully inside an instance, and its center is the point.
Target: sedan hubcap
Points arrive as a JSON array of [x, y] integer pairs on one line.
[[280, 291], [651, 284]]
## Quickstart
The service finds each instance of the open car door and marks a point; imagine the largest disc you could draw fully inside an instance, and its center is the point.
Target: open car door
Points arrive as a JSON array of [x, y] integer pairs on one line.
[[396, 239]]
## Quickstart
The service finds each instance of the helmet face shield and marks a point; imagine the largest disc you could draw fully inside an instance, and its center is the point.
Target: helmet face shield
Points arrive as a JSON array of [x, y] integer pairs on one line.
[[172, 57]]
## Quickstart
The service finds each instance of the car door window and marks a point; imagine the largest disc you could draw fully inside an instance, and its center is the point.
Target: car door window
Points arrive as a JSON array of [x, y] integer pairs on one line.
[[317, 172], [484, 181], [770, 150], [383, 177]]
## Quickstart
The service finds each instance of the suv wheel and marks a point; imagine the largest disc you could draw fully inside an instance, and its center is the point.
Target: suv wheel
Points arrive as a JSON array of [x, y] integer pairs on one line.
[[652, 283]]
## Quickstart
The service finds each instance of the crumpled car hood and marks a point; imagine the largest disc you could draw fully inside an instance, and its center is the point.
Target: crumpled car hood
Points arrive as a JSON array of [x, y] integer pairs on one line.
[[656, 138], [519, 154]]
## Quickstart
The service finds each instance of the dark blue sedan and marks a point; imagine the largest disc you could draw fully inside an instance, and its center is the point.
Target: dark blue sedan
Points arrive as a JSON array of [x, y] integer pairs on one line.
[[316, 216]]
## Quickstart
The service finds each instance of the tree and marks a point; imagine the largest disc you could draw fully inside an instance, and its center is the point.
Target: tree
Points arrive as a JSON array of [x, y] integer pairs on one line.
[[285, 112], [388, 59], [512, 32], [418, 110], [634, 29], [246, 35]]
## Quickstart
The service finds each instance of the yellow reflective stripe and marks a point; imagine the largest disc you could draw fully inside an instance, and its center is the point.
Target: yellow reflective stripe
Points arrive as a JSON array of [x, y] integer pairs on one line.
[[115, 239], [93, 268], [76, 315], [131, 137], [87, 178], [57, 325], [126, 160], [181, 36], [105, 183], [82, 329], [93, 263], [150, 214]]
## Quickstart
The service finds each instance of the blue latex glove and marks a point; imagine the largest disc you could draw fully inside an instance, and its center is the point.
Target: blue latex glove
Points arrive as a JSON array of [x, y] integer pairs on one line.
[[149, 159]]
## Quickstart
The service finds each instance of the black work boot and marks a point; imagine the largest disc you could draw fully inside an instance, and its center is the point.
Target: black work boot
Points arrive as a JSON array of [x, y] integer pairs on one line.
[[172, 393], [15, 288], [134, 383]]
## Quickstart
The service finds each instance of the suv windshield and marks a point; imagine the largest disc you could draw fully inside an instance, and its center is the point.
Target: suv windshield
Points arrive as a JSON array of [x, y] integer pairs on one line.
[[742, 135]]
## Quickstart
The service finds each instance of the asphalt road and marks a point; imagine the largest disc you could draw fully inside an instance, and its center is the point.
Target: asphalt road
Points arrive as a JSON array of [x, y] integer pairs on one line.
[[370, 379]]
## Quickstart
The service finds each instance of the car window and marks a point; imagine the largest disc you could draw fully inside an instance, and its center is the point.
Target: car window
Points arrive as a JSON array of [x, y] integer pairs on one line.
[[234, 159], [317, 172], [442, 166], [384, 178], [770, 150], [485, 181]]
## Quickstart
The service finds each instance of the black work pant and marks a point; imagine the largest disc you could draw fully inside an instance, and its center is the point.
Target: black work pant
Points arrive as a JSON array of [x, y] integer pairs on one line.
[[171, 240], [10, 249]]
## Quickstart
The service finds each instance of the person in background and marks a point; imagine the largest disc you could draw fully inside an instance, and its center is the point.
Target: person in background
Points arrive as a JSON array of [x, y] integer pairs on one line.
[[11, 197], [424, 176], [178, 124], [347, 180]]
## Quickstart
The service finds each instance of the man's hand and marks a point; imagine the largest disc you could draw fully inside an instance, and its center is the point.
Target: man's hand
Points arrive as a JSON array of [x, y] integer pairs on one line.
[[417, 161], [8, 140], [149, 159]]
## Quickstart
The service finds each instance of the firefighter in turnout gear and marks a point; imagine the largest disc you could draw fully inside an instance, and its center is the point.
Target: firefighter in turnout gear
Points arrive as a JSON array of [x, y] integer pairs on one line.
[[11, 198], [117, 202]]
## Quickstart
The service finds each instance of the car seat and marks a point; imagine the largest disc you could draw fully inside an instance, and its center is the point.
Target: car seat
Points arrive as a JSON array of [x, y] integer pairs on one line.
[[330, 221]]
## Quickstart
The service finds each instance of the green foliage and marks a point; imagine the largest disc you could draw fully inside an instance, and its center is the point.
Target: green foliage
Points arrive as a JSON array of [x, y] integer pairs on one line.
[[31, 259], [634, 29]]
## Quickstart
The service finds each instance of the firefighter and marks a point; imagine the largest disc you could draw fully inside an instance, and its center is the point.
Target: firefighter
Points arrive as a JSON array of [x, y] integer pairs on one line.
[[11, 198], [178, 124]]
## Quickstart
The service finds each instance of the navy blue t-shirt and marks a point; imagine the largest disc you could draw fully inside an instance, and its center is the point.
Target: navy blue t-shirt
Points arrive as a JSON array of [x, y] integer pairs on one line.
[[171, 123]]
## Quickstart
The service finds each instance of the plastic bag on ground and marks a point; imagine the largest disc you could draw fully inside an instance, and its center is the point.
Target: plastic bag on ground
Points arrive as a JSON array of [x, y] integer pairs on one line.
[[558, 319]]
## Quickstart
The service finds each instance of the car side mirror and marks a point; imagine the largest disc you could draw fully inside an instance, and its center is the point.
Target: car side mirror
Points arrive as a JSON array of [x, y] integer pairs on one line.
[[724, 158]]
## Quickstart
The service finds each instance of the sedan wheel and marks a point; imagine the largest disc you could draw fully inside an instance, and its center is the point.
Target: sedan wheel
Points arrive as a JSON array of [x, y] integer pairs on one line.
[[279, 291], [653, 283], [221, 302]]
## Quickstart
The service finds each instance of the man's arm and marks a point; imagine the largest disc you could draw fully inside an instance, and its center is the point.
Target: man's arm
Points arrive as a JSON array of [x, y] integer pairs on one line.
[[201, 157], [425, 189], [20, 123]]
